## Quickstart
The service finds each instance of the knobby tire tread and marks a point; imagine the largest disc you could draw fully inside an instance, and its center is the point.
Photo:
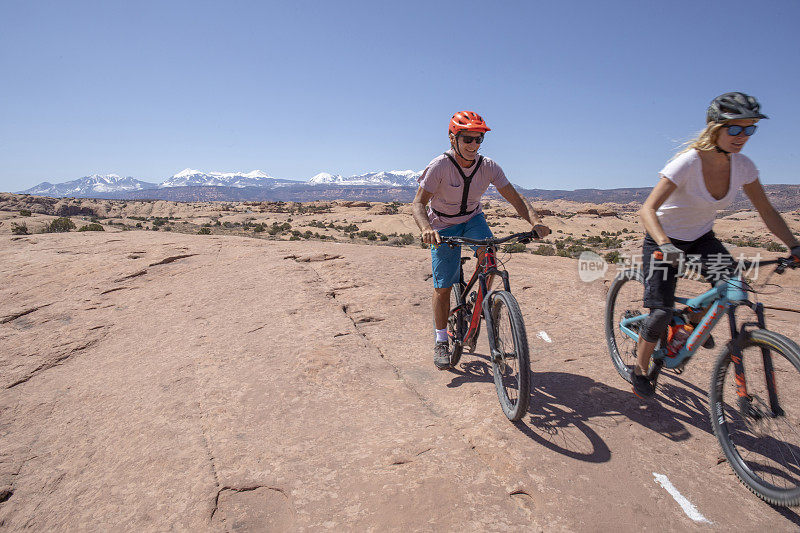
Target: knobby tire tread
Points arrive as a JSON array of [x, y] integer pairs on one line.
[[457, 348], [780, 346], [628, 276], [513, 411]]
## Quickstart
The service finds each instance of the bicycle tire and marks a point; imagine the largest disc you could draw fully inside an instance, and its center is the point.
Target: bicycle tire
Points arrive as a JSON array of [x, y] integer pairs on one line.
[[456, 324], [764, 463], [629, 284], [511, 365]]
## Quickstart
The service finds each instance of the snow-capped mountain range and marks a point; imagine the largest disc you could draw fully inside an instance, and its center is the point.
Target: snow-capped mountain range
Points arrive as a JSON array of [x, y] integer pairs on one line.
[[394, 178], [90, 185], [100, 185], [197, 178]]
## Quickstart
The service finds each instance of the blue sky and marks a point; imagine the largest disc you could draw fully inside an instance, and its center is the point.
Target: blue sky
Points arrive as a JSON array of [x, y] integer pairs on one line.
[[578, 93]]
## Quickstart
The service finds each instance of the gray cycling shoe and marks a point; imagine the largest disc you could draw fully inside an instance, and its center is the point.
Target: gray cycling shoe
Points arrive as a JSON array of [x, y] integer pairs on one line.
[[643, 388], [441, 355]]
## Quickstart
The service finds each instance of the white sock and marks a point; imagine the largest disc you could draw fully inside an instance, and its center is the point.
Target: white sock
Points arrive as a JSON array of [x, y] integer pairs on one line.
[[441, 335]]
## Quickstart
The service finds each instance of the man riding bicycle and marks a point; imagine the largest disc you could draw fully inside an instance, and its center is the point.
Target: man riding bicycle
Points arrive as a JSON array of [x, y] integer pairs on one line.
[[448, 203]]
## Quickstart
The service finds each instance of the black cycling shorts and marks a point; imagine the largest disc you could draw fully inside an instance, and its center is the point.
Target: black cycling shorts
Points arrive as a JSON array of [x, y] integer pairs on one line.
[[661, 278]]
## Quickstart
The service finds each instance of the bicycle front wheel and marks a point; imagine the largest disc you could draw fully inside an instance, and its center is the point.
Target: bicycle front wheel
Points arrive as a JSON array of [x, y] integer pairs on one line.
[[456, 324], [625, 300], [510, 358], [759, 435]]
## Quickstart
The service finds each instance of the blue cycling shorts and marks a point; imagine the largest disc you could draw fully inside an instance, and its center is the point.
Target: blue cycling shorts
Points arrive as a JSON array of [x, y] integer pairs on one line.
[[445, 259]]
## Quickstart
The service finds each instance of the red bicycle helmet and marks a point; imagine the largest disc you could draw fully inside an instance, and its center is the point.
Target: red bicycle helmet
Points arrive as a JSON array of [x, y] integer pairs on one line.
[[467, 121]]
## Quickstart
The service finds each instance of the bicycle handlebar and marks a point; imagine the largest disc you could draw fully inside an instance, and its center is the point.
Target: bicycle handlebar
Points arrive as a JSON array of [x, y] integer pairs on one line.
[[782, 263], [523, 237]]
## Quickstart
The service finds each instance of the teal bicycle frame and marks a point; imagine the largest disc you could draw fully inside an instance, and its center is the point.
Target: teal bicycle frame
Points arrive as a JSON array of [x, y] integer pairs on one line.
[[725, 294]]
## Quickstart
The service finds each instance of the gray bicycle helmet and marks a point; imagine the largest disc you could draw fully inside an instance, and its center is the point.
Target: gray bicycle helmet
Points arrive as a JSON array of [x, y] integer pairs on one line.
[[732, 106]]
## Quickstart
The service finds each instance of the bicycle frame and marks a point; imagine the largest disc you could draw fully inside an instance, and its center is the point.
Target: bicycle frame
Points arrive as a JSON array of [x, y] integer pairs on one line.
[[726, 295], [480, 276]]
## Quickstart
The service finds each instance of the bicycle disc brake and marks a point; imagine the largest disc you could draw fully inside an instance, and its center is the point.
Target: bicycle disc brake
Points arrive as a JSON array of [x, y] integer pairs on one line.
[[755, 413]]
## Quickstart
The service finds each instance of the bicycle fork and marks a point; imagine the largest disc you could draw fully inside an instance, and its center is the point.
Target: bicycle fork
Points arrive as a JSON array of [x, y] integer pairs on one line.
[[486, 308], [739, 336]]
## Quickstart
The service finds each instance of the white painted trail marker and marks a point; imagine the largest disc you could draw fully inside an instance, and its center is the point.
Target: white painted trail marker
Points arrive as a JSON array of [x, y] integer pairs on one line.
[[690, 510]]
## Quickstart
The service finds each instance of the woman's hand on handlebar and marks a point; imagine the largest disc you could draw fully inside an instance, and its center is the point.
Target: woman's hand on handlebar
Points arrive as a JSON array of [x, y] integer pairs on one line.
[[541, 230], [431, 236]]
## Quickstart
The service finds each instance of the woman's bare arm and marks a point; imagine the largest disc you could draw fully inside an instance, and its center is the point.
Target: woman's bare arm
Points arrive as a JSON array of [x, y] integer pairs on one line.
[[647, 213], [774, 221]]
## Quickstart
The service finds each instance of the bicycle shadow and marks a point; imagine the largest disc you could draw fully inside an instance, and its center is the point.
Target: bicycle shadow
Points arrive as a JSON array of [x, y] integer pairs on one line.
[[787, 513], [564, 407]]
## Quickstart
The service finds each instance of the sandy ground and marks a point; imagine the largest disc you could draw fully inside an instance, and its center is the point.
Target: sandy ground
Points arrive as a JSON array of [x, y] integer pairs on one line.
[[156, 381]]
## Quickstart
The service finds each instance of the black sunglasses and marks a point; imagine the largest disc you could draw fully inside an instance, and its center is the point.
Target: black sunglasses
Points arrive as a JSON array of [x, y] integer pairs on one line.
[[734, 130], [469, 140]]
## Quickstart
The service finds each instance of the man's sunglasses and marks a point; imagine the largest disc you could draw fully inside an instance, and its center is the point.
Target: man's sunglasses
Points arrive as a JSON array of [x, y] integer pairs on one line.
[[469, 140], [733, 131]]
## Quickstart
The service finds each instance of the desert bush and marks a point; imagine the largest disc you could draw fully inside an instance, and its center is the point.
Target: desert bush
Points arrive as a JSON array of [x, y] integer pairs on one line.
[[204, 231], [514, 248], [19, 229], [544, 249], [91, 227], [276, 228], [612, 257], [407, 238], [390, 209], [60, 225], [745, 241], [25, 212], [775, 247]]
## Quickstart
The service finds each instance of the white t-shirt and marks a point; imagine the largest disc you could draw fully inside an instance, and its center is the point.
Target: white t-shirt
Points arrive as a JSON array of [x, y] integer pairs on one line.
[[689, 212]]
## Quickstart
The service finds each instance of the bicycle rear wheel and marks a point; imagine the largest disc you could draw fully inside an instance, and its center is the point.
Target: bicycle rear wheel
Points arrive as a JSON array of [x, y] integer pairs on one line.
[[510, 358], [625, 300], [762, 446], [456, 324]]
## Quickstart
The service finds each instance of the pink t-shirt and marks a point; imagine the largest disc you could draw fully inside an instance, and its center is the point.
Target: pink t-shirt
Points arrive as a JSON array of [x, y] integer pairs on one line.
[[442, 179]]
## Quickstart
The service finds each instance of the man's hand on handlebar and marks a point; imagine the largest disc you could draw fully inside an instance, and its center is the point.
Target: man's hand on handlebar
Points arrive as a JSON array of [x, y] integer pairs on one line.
[[541, 230], [431, 236], [796, 253]]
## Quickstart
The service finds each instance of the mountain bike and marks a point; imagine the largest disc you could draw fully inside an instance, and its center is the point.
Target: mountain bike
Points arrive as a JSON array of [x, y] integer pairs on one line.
[[505, 328], [754, 380]]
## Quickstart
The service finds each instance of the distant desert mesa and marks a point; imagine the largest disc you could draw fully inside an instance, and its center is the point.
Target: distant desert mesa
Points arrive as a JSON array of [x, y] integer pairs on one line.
[[606, 228]]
